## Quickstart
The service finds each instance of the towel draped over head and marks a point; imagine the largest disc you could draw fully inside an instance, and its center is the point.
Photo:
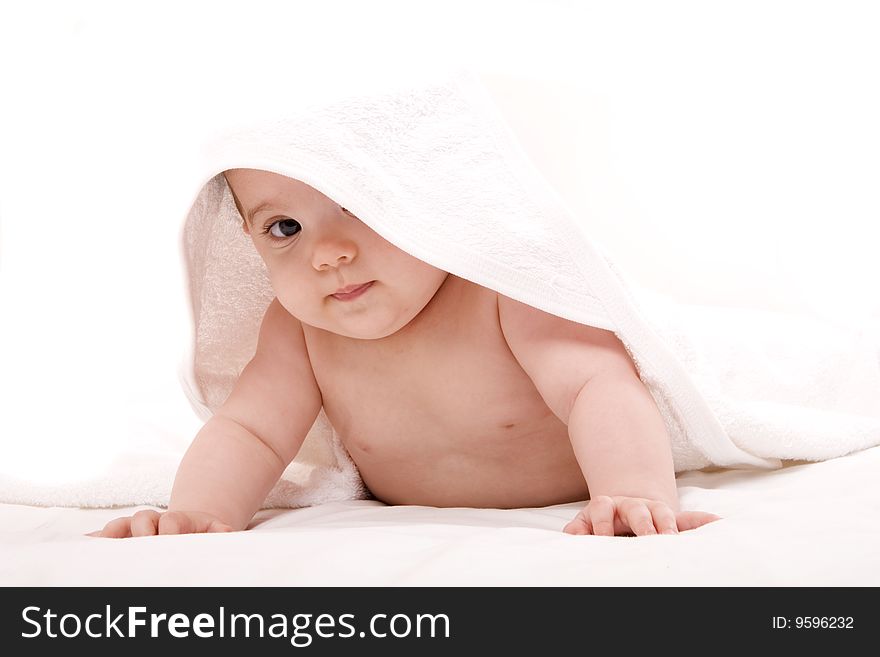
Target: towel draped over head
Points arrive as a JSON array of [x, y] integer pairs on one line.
[[434, 169]]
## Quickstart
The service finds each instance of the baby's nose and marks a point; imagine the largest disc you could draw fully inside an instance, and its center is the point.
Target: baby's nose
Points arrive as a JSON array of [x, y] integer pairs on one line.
[[333, 253]]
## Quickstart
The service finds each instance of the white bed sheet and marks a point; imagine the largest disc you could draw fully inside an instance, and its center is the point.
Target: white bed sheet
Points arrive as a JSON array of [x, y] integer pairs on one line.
[[806, 524]]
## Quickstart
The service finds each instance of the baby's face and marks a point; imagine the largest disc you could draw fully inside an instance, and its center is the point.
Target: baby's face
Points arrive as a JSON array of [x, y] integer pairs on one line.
[[316, 251]]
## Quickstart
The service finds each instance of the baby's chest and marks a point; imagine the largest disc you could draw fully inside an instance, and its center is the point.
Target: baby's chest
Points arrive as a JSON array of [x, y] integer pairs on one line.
[[450, 387]]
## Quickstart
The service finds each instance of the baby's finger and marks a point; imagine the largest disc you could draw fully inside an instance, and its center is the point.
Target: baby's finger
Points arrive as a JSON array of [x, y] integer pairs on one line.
[[636, 514], [117, 528], [190, 522], [219, 526], [664, 518], [579, 525], [692, 519], [600, 513], [175, 522], [145, 523]]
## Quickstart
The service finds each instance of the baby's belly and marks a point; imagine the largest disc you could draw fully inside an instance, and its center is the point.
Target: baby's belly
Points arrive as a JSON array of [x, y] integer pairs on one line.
[[523, 462]]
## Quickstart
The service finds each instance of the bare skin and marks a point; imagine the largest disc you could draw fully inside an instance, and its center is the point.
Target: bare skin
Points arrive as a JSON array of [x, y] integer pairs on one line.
[[444, 392], [456, 421]]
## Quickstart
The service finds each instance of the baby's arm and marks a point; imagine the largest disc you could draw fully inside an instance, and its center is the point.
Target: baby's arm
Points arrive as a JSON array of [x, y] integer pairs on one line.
[[241, 452], [588, 380]]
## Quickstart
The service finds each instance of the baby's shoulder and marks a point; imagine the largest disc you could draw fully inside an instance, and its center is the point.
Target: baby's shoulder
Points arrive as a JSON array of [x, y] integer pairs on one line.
[[468, 302], [281, 334]]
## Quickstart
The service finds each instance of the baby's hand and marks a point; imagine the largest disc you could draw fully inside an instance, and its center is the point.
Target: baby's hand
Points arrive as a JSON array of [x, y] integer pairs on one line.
[[615, 516], [150, 523]]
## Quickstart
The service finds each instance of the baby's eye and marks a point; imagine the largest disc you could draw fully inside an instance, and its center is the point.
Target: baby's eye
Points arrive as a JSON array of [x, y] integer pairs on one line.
[[283, 228]]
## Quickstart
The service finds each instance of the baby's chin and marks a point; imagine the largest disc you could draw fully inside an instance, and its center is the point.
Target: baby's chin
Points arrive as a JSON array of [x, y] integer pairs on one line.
[[364, 326], [364, 332]]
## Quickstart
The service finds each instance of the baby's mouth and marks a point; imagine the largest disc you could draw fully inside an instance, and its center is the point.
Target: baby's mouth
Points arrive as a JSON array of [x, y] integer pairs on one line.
[[350, 292]]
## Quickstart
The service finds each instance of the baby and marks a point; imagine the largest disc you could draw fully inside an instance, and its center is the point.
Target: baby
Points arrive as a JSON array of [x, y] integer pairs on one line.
[[445, 393]]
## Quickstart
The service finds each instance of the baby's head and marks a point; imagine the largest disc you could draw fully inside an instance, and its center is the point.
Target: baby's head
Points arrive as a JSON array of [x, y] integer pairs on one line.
[[313, 248]]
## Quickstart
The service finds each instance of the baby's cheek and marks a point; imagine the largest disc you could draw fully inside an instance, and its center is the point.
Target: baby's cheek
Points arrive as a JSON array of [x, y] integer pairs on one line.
[[290, 305]]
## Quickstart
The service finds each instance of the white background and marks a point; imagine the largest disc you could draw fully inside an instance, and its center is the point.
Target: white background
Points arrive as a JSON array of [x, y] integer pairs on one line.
[[723, 152]]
